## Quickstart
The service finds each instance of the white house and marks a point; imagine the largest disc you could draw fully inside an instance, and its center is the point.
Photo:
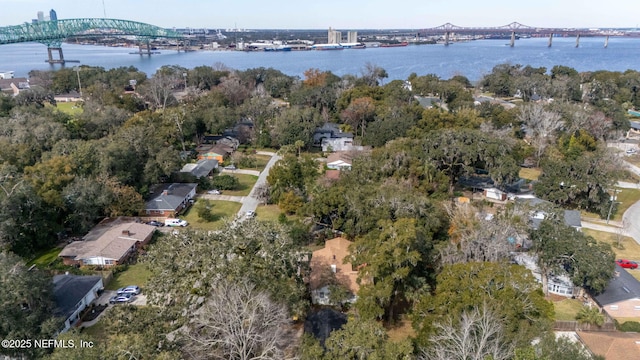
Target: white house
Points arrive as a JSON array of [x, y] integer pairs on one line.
[[556, 284], [73, 293]]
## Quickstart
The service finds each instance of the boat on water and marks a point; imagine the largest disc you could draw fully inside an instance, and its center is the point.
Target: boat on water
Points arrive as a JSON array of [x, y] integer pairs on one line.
[[278, 48], [353, 45], [404, 43], [327, 47]]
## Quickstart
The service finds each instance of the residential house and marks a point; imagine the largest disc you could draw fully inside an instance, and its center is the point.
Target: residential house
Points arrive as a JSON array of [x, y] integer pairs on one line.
[[202, 168], [168, 200], [571, 217], [634, 130], [211, 155], [331, 138], [556, 284], [71, 96], [108, 244], [72, 294], [221, 139], [14, 85], [223, 149], [495, 194], [612, 345], [327, 261], [340, 160], [621, 298]]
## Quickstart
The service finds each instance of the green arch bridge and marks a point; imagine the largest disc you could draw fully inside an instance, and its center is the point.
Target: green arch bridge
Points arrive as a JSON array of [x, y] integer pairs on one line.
[[52, 33]]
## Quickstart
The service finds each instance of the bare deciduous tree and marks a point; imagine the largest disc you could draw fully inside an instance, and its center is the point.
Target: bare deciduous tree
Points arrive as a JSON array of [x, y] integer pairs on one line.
[[237, 322], [478, 336], [542, 126], [477, 237]]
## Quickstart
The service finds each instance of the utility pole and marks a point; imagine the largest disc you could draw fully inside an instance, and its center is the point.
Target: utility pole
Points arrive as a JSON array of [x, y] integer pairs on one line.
[[613, 199]]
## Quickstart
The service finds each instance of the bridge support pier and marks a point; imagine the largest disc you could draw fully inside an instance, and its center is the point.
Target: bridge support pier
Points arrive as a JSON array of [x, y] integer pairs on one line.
[[51, 60], [513, 39], [606, 42], [578, 40], [446, 38], [550, 39]]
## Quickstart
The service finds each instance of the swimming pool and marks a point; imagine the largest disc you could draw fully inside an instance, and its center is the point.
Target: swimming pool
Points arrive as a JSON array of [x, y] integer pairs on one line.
[[634, 113]]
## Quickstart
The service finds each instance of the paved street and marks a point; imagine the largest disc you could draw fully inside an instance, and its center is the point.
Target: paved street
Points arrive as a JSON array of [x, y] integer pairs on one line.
[[251, 202]]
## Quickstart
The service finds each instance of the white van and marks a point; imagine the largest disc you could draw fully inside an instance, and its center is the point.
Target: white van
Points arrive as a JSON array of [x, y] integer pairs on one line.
[[175, 222]]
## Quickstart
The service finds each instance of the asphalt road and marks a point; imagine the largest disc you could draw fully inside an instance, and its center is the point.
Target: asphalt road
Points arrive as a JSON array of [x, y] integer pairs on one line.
[[250, 203]]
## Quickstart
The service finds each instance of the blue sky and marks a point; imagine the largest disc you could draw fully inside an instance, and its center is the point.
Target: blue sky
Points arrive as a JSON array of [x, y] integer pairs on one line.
[[339, 14]]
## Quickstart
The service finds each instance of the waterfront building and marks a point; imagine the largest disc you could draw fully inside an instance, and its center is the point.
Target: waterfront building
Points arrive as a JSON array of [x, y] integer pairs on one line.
[[352, 37], [334, 37]]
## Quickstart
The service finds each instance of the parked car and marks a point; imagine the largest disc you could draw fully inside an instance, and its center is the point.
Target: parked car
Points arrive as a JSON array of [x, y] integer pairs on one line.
[[230, 167], [631, 151], [627, 264], [214, 192], [155, 223], [251, 214], [120, 299], [175, 222], [131, 289]]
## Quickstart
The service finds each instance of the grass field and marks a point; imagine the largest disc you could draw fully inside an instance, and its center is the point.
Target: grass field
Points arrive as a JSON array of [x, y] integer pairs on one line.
[[567, 309], [221, 210], [268, 212], [246, 184], [625, 198], [137, 274], [630, 248], [43, 259], [530, 173], [401, 331], [70, 108]]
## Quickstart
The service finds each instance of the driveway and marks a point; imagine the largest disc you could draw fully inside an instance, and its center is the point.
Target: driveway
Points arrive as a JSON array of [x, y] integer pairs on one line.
[[241, 171], [239, 199], [140, 299], [250, 202]]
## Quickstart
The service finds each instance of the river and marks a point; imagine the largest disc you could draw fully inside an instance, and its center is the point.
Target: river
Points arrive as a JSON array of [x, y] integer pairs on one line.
[[472, 59]]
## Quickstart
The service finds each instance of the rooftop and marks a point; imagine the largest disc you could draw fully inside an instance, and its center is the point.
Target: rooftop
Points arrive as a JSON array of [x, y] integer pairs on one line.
[[169, 196], [68, 290], [622, 286]]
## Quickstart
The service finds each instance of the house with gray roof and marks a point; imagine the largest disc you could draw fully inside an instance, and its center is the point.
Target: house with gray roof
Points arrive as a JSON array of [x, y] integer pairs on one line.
[[202, 168], [168, 200], [331, 138], [621, 298], [72, 294]]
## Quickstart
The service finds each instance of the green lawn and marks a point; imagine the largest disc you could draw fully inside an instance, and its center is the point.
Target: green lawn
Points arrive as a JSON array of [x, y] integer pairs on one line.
[[246, 184], [221, 210], [530, 173], [70, 108], [567, 309], [137, 274], [45, 258], [97, 331], [626, 198], [268, 212], [630, 248]]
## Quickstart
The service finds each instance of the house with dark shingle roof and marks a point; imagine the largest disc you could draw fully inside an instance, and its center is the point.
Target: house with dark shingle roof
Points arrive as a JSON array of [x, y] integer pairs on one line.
[[202, 168], [168, 200], [621, 298], [72, 294]]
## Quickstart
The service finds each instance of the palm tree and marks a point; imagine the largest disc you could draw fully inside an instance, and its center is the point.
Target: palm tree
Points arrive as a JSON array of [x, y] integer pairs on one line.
[[590, 315], [299, 144]]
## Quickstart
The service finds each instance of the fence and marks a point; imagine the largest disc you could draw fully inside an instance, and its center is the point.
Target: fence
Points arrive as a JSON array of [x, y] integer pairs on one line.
[[576, 326]]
